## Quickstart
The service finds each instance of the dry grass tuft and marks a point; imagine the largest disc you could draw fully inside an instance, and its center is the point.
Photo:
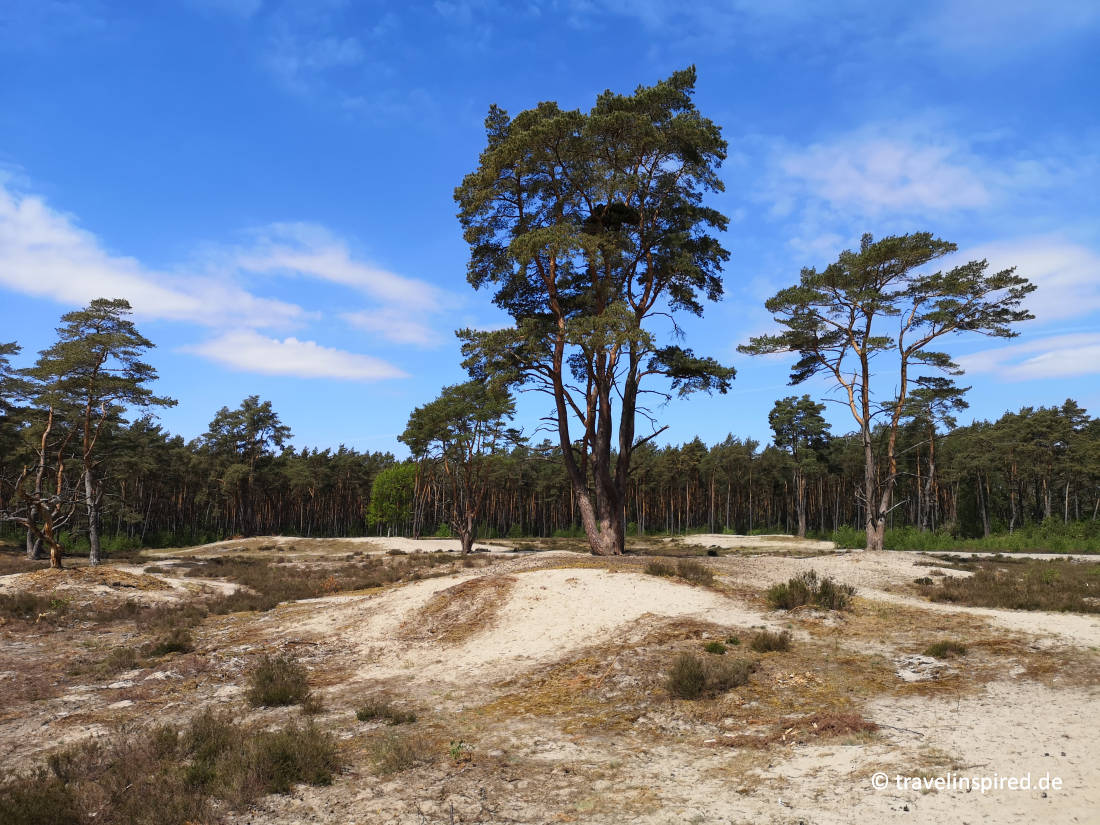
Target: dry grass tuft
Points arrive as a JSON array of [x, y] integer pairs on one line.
[[48, 579], [800, 730], [457, 613]]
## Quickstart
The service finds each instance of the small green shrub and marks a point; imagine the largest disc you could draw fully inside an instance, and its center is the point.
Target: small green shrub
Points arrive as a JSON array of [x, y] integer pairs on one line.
[[726, 674], [22, 605], [694, 572], [690, 677], [660, 568], [687, 678], [807, 588], [833, 596], [733, 641], [119, 659], [176, 640], [715, 647], [768, 641], [277, 681], [396, 752], [382, 710], [945, 650]]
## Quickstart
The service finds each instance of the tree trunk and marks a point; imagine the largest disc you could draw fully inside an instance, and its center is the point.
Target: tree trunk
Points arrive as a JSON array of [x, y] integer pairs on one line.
[[34, 546], [874, 524], [800, 493], [93, 517]]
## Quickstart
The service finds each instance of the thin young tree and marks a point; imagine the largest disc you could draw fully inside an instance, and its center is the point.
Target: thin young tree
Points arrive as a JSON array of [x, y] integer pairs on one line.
[[803, 433], [836, 321], [459, 433], [933, 401], [590, 226], [95, 369]]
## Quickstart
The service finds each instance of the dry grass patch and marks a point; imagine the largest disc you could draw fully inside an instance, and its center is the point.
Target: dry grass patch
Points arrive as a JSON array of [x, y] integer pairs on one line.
[[457, 613], [846, 725]]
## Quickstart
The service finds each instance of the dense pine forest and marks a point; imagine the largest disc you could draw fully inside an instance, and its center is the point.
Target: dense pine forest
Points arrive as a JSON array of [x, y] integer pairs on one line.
[[1033, 474]]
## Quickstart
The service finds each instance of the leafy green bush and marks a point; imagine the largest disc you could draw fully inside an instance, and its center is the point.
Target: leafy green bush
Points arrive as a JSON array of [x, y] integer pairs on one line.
[[277, 681], [715, 647]]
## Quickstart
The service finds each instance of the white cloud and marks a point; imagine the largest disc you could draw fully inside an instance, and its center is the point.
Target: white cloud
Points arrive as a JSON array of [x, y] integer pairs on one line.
[[1059, 356], [249, 351], [45, 254], [311, 250], [395, 325], [1067, 274], [871, 173]]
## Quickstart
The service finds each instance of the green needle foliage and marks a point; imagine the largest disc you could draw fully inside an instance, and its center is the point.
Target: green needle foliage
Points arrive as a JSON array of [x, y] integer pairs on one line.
[[95, 373], [588, 225], [879, 303]]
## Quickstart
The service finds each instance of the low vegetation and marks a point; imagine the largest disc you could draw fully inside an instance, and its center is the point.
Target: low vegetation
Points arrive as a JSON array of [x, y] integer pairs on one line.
[[769, 641], [277, 681], [396, 752], [176, 640], [168, 775], [383, 710], [945, 649], [1022, 584], [691, 677], [686, 569], [808, 589]]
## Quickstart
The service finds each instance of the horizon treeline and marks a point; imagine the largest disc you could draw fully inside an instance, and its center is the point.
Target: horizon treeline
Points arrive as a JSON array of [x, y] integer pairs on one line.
[[1037, 465]]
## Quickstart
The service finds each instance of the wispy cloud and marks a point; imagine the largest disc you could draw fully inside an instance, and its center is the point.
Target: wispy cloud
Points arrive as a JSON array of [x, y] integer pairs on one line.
[[915, 168], [1059, 356], [310, 250], [44, 253], [396, 325], [248, 351], [1067, 274]]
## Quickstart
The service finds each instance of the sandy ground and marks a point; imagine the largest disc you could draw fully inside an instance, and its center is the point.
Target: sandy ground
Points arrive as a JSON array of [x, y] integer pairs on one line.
[[530, 659]]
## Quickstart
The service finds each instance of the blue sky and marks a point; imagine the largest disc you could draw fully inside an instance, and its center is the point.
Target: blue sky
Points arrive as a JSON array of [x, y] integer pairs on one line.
[[270, 182]]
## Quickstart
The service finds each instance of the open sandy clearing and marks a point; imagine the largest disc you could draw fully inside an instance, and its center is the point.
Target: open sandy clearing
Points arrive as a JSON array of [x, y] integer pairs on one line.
[[548, 670]]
